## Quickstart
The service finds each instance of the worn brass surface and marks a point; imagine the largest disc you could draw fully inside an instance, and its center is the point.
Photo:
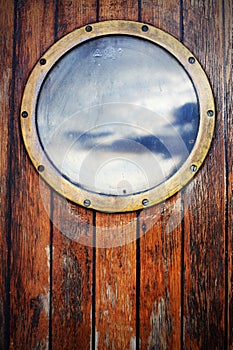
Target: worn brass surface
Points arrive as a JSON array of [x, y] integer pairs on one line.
[[127, 200]]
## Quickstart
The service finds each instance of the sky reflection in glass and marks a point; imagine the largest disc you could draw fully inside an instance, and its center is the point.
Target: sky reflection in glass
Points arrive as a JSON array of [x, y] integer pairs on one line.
[[117, 115]]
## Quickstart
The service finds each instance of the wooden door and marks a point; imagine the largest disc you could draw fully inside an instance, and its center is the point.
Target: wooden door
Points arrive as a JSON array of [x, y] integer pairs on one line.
[[170, 289]]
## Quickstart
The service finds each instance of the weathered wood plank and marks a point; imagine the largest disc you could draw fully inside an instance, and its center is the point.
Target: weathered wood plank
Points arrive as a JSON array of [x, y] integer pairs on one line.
[[204, 203], [6, 40], [30, 227], [160, 246], [113, 9], [115, 282], [72, 262], [116, 266], [160, 283], [228, 34], [162, 14]]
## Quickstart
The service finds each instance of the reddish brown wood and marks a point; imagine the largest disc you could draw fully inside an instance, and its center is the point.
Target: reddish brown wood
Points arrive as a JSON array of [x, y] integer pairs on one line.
[[115, 282], [163, 14], [113, 9], [116, 267], [207, 321], [30, 223], [229, 141], [204, 203], [72, 278], [160, 244], [72, 262], [160, 289], [6, 40]]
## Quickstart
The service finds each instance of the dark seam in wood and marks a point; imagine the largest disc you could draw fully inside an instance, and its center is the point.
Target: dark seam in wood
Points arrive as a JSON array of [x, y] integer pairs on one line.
[[138, 276], [138, 270], [93, 283], [9, 186], [182, 272], [139, 10], [97, 11], [56, 21], [226, 315], [181, 22], [51, 219], [182, 277], [51, 274]]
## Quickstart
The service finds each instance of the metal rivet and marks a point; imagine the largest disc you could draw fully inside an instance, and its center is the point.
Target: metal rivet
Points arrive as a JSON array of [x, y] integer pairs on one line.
[[145, 202], [87, 202], [210, 113], [40, 168], [42, 61], [24, 114], [88, 29], [193, 168], [192, 60], [145, 28]]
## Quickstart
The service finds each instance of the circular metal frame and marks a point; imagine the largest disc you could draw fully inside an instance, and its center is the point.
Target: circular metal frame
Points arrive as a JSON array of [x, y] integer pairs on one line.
[[112, 203]]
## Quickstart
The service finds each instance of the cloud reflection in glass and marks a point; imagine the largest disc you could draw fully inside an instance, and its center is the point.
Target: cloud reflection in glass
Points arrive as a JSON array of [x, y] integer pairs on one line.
[[117, 115]]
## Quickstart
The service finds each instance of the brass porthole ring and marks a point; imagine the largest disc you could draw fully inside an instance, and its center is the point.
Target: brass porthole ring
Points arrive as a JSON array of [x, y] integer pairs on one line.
[[117, 116]]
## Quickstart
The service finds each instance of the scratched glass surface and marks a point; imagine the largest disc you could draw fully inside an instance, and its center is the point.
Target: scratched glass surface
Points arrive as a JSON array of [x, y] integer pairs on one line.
[[117, 115]]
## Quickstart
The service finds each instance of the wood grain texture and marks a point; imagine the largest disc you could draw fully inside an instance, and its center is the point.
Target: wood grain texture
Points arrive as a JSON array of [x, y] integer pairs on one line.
[[160, 276], [228, 26], [30, 285], [163, 14], [116, 266], [72, 261], [160, 245], [6, 42], [115, 283], [72, 279], [170, 290], [204, 203]]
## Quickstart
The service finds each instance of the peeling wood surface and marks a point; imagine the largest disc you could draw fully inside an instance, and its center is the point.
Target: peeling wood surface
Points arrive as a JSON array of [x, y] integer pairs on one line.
[[170, 289]]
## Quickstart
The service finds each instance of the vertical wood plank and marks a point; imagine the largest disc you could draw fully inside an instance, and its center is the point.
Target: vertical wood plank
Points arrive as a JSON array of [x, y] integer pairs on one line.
[[6, 40], [30, 227], [72, 262], [204, 198], [116, 266], [115, 283], [228, 33], [160, 246], [163, 14]]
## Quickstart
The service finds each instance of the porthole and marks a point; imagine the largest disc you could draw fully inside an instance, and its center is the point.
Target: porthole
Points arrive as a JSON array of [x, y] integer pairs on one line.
[[117, 116]]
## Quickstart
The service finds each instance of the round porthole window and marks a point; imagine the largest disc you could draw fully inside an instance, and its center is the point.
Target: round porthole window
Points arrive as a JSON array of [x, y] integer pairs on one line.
[[117, 116]]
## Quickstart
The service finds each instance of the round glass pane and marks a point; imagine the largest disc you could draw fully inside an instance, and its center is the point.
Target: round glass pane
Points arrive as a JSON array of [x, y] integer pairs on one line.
[[117, 115]]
